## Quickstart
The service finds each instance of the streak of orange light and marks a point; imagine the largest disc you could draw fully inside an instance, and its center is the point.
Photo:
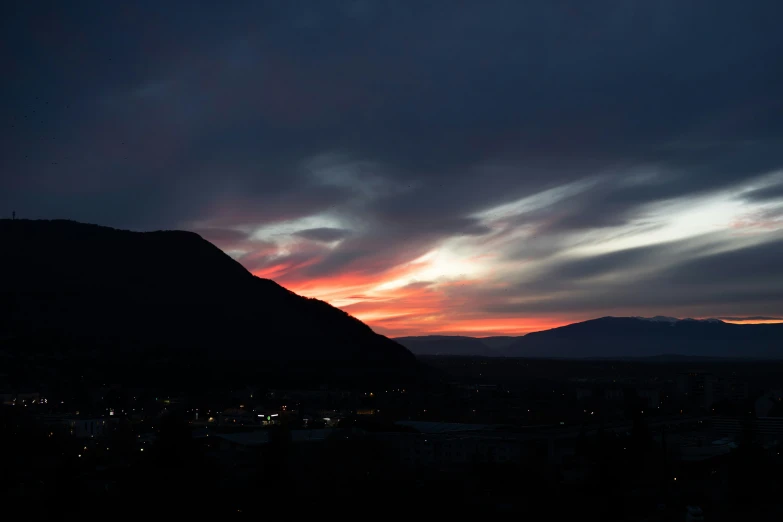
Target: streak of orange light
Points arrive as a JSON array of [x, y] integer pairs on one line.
[[753, 321]]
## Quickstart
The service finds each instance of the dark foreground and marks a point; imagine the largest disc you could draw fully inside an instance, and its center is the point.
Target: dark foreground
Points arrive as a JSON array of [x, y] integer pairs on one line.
[[553, 439]]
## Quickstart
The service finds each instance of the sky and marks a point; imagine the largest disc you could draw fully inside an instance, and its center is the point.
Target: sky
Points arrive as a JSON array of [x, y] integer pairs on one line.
[[440, 167]]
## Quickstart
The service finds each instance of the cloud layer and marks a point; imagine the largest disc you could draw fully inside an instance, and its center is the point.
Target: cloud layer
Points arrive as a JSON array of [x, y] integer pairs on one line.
[[430, 167]]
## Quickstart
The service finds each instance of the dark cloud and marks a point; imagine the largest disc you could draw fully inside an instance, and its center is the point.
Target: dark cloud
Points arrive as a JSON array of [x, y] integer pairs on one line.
[[759, 265], [371, 254], [389, 243], [222, 235], [653, 278], [614, 262], [640, 259], [218, 117], [770, 193], [324, 234], [552, 86]]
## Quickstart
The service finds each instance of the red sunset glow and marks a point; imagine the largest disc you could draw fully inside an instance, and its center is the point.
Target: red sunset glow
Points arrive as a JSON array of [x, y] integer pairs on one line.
[[417, 308]]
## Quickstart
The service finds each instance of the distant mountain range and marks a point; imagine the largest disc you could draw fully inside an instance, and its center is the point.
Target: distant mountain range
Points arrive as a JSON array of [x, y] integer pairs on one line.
[[640, 337], [132, 298], [621, 337]]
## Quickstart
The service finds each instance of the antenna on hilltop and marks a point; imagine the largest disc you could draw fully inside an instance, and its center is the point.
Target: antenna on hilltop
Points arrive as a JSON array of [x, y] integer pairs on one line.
[[13, 214]]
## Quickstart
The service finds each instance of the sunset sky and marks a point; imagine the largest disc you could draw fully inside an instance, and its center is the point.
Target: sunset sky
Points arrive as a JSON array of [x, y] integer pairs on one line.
[[431, 167]]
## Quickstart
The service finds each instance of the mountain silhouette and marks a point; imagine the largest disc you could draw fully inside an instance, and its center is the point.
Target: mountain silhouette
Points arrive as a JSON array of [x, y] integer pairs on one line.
[[122, 296], [639, 337]]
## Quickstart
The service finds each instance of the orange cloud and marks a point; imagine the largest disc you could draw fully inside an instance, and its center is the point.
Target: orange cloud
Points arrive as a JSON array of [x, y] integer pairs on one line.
[[419, 308], [432, 293], [279, 270]]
